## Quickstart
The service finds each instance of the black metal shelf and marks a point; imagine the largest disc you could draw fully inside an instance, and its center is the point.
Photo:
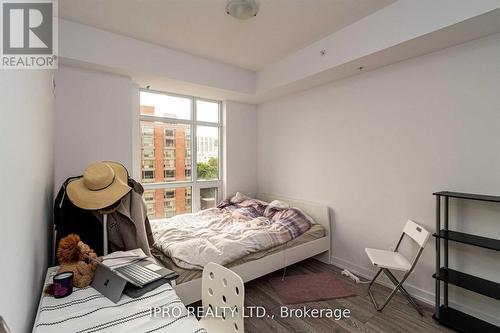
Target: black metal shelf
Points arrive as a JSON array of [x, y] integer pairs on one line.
[[487, 243], [463, 322], [447, 316], [469, 196], [469, 282]]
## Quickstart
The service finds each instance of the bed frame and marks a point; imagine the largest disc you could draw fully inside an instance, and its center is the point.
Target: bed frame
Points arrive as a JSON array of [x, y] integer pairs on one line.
[[190, 291]]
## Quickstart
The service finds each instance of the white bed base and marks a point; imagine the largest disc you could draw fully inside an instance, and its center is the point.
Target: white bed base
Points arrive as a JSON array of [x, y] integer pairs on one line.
[[190, 292]]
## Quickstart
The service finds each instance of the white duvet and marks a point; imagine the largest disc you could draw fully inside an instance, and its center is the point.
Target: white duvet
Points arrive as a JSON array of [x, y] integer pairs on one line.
[[215, 235]]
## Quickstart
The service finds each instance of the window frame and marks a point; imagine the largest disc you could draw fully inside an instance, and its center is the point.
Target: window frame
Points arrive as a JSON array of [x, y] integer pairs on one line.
[[195, 183]]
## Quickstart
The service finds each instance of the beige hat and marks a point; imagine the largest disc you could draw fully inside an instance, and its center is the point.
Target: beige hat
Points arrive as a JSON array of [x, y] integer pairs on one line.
[[102, 184]]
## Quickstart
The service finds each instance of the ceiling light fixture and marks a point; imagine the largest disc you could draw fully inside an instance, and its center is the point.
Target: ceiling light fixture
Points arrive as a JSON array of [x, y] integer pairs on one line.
[[242, 9]]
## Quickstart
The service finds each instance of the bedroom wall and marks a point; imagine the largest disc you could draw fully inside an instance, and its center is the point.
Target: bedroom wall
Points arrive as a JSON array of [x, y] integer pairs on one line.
[[240, 153], [97, 119], [26, 148], [94, 119], [375, 146]]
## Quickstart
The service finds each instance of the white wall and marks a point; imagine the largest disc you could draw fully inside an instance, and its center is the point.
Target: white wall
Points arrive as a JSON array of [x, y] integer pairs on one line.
[[375, 33], [97, 118], [138, 57], [26, 147], [240, 155], [94, 119], [375, 146]]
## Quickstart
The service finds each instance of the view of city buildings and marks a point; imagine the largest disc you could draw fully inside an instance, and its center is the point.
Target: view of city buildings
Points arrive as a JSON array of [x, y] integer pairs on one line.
[[166, 156]]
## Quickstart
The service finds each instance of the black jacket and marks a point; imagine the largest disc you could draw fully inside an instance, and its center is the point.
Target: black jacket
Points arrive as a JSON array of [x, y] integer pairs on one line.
[[69, 219]]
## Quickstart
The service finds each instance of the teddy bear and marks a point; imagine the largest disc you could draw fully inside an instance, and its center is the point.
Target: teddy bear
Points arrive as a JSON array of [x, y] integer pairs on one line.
[[77, 257]]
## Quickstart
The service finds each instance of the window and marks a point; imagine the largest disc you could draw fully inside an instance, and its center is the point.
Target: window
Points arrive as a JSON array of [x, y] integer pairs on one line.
[[169, 142], [148, 176], [207, 111], [148, 136], [169, 163], [169, 145], [169, 132], [208, 197], [169, 203], [182, 135], [169, 174], [207, 152], [149, 196], [169, 153], [148, 164], [164, 203], [148, 153], [187, 198]]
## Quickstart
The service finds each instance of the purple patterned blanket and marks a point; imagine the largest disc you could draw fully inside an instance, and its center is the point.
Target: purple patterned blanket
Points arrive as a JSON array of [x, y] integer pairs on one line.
[[237, 227]]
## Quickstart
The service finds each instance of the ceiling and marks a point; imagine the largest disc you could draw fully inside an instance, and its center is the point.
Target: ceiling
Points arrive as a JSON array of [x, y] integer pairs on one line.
[[201, 27]]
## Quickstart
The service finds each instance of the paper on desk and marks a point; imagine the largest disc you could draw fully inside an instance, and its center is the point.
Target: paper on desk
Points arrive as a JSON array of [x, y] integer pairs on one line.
[[121, 258]]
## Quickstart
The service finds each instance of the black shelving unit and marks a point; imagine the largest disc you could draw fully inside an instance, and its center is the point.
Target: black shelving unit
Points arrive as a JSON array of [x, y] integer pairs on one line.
[[443, 313]]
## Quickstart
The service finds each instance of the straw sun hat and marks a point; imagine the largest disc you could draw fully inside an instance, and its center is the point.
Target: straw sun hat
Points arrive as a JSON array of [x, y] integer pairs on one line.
[[102, 184]]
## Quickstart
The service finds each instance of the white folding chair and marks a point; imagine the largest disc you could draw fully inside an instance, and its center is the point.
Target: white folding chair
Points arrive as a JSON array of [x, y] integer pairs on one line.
[[223, 294], [387, 260]]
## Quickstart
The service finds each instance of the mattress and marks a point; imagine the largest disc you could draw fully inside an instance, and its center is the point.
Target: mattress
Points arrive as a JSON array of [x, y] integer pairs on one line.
[[317, 231]]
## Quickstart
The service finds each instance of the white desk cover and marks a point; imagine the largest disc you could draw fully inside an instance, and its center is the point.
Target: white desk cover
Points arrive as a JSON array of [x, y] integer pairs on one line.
[[86, 311]]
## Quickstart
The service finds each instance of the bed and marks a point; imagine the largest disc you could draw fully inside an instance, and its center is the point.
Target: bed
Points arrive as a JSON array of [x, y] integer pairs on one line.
[[316, 242]]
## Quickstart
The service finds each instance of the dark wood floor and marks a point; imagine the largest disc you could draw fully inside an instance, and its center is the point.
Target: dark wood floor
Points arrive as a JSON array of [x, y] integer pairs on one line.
[[398, 316]]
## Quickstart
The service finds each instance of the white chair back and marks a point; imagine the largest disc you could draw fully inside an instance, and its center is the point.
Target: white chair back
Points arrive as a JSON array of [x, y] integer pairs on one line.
[[387, 260], [223, 292], [416, 232]]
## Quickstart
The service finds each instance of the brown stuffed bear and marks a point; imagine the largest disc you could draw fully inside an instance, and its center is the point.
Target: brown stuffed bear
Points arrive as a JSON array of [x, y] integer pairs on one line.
[[73, 255]]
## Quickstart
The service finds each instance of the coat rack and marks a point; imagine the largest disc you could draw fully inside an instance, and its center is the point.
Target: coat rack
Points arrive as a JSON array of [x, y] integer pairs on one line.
[[104, 213], [105, 234]]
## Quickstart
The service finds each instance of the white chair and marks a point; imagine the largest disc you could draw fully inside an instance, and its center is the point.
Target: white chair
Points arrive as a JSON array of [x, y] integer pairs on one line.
[[387, 260], [223, 294]]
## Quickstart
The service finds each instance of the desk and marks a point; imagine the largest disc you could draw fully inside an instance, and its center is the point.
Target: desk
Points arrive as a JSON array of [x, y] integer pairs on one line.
[[86, 310]]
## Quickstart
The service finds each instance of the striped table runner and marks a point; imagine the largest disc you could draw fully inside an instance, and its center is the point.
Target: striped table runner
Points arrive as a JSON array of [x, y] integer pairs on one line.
[[86, 311]]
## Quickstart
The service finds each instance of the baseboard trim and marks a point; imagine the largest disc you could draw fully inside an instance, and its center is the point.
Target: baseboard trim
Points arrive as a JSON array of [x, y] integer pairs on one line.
[[422, 295]]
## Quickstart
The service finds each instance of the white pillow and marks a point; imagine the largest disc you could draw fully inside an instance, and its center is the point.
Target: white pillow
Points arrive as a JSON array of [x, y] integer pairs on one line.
[[239, 197], [275, 205], [279, 204]]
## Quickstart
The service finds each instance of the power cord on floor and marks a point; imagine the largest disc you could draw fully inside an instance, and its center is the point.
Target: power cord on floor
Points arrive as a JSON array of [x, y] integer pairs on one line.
[[353, 277]]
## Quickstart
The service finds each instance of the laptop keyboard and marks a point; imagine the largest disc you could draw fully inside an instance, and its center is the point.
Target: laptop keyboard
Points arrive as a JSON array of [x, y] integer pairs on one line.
[[138, 274]]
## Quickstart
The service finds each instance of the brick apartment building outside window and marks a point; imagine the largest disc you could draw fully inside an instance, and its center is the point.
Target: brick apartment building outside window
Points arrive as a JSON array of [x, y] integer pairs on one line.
[[180, 153]]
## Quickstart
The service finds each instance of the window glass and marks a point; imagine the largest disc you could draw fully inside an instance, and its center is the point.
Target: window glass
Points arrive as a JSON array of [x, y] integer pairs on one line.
[[166, 106], [166, 152], [207, 111], [170, 152], [165, 203], [188, 199], [169, 175], [207, 149], [208, 197]]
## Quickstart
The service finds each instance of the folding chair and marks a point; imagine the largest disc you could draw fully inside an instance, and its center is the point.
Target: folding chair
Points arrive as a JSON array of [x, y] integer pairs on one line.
[[386, 260]]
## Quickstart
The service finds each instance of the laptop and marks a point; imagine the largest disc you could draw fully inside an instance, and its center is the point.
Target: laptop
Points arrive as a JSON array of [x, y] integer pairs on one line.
[[143, 272], [108, 283], [111, 282]]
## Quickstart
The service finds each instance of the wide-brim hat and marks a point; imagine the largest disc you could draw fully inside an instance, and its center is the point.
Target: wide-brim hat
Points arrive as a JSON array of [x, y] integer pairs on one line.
[[102, 185]]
